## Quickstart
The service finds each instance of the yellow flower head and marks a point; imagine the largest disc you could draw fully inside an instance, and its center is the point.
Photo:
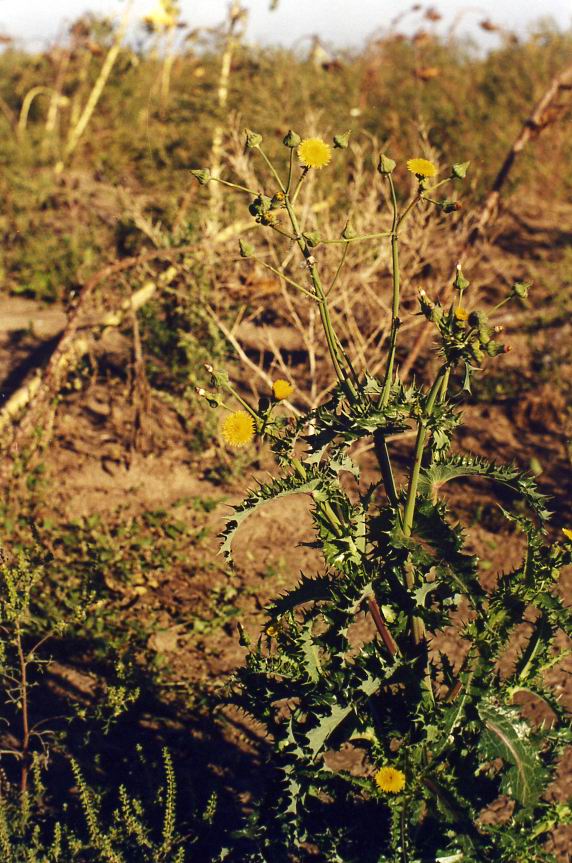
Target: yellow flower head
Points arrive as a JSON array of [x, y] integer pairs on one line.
[[282, 389], [238, 429], [161, 17], [314, 153], [567, 533], [390, 780], [422, 167], [461, 314]]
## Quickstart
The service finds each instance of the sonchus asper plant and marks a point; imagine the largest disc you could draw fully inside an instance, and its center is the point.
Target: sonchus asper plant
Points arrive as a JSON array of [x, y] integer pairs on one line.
[[350, 661]]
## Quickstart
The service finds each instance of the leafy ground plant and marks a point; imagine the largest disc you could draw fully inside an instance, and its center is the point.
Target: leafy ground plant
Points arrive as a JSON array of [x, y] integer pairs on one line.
[[391, 743]]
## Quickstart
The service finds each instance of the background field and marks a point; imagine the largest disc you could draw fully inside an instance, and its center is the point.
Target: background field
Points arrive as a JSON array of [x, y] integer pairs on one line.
[[117, 485]]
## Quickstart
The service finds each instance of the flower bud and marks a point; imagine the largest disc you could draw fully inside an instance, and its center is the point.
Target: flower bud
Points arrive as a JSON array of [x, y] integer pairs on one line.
[[493, 348], [246, 249], [269, 218], [260, 205], [278, 200], [349, 231], [485, 334], [477, 319], [203, 177], [385, 164], [312, 238], [341, 141], [292, 139], [253, 139], [460, 282], [520, 289], [459, 170], [212, 399], [476, 353], [449, 206]]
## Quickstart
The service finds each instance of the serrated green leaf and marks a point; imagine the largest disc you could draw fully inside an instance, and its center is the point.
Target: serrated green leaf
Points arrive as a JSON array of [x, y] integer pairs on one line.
[[507, 736], [454, 467], [310, 654], [318, 736], [292, 484]]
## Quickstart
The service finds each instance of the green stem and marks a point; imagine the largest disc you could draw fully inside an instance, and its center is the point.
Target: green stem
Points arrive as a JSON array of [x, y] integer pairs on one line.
[[303, 175], [233, 186], [338, 271], [419, 447], [290, 166], [395, 277], [285, 278], [322, 304], [284, 233], [272, 169], [382, 454], [244, 403], [445, 386], [535, 642], [357, 239], [408, 209]]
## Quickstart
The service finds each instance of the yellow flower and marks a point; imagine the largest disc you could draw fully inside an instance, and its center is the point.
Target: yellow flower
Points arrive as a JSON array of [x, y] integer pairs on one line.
[[271, 631], [390, 780], [238, 429], [422, 167], [567, 533], [314, 153], [461, 314], [282, 389], [160, 18]]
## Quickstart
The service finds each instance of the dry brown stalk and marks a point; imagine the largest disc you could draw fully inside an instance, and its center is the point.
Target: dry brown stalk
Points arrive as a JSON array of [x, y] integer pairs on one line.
[[542, 115]]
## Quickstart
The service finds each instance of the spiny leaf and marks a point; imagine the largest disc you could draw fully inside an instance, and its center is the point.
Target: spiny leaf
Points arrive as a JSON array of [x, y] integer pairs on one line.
[[507, 736], [310, 654], [456, 466], [291, 484], [307, 590], [318, 736]]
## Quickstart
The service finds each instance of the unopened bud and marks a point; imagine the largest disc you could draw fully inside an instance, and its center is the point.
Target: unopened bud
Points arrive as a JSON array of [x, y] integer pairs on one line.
[[253, 139], [341, 141], [312, 238], [460, 282], [292, 139], [459, 170], [209, 368], [493, 348], [203, 177], [476, 352], [385, 164], [520, 289], [246, 249], [448, 206], [349, 231], [477, 319], [200, 391], [260, 206]]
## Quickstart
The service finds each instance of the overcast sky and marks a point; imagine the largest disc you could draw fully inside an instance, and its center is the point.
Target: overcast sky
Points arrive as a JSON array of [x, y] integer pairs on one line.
[[344, 22]]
